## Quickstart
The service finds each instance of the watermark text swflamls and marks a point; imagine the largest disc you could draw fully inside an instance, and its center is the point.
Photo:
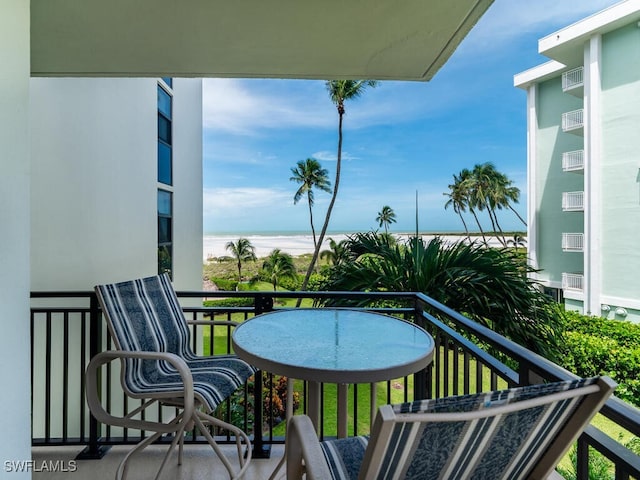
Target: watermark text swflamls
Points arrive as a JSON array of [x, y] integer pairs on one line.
[[18, 466]]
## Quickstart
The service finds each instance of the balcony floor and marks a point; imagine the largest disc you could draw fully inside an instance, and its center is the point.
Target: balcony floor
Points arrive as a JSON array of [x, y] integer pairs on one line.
[[200, 462]]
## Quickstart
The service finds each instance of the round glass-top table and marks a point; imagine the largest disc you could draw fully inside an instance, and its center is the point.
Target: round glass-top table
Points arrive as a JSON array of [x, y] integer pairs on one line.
[[328, 345]]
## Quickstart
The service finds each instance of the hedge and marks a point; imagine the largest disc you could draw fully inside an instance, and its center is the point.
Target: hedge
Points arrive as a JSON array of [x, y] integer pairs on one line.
[[598, 346]]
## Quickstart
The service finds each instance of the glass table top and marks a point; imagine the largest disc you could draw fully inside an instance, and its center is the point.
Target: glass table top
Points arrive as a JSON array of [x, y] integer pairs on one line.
[[333, 345]]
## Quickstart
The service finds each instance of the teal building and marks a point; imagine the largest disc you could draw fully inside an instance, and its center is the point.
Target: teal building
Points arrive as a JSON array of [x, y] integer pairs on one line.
[[583, 144]]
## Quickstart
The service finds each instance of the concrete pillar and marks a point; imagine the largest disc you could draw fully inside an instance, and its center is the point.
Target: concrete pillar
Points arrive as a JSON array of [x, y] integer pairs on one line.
[[15, 372]]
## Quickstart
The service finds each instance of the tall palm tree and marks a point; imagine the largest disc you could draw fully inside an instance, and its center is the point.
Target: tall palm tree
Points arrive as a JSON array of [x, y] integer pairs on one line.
[[279, 265], [386, 217], [489, 285], [458, 200], [242, 251], [339, 91], [481, 183], [309, 174], [505, 194], [466, 185]]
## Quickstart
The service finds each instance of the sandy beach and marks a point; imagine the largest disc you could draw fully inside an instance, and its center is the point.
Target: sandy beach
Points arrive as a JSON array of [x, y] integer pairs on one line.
[[214, 245]]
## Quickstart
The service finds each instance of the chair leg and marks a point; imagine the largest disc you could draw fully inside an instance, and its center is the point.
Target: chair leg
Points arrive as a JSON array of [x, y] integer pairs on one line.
[[201, 418], [177, 438], [121, 473]]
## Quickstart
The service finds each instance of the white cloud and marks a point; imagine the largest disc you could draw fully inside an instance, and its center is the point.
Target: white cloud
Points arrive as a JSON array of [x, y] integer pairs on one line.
[[326, 156], [245, 106], [230, 200]]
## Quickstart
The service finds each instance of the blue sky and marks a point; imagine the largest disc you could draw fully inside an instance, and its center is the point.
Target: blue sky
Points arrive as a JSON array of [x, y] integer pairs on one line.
[[399, 138]]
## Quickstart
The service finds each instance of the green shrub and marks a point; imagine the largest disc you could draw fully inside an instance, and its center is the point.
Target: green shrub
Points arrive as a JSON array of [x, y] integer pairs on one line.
[[229, 302], [224, 284], [625, 333], [597, 346]]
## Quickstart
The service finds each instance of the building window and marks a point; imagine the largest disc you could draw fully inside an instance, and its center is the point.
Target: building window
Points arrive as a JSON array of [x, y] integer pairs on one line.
[[556, 294], [165, 232], [165, 140], [168, 81]]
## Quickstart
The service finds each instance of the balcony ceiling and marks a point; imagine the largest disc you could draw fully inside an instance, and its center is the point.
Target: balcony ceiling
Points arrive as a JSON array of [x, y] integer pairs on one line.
[[329, 39]]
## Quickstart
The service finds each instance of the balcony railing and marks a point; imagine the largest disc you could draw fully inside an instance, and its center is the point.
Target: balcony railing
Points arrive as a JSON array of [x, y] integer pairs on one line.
[[573, 79], [573, 201], [64, 338], [573, 161], [573, 121], [572, 281], [573, 242]]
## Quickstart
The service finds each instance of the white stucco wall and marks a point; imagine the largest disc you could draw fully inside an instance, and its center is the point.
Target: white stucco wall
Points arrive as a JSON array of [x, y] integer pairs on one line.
[[94, 184], [15, 434]]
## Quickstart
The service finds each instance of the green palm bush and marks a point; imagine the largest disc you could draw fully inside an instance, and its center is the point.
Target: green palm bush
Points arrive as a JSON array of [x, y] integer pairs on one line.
[[489, 285]]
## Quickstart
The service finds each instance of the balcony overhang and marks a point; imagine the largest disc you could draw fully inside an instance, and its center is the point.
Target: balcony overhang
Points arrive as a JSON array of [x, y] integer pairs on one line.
[[567, 45], [333, 39]]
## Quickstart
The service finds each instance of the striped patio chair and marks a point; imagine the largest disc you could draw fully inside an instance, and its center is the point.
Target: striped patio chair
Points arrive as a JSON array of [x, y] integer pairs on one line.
[[151, 336], [511, 434]]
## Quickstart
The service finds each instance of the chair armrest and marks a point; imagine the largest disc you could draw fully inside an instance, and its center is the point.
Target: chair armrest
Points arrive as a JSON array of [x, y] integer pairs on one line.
[[303, 444], [105, 417]]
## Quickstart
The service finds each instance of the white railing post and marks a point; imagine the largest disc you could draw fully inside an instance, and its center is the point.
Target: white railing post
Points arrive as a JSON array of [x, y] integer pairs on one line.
[[573, 160], [573, 242], [572, 281], [573, 78], [572, 201], [573, 120]]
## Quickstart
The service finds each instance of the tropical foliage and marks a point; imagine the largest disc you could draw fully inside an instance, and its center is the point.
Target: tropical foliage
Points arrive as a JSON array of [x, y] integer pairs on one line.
[[483, 189], [488, 285], [598, 346], [278, 266], [310, 175], [386, 217], [242, 251], [335, 253], [340, 91]]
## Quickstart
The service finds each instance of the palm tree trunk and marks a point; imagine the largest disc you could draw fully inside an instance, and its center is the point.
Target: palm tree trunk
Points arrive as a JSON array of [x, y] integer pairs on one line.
[[327, 217], [504, 239], [517, 214], [466, 230], [473, 212], [313, 230]]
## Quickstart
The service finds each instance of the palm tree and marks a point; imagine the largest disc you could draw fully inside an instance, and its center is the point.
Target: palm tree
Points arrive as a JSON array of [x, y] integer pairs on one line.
[[309, 174], [518, 241], [489, 285], [386, 217], [485, 180], [339, 91], [464, 184], [242, 251], [335, 253], [505, 193], [279, 265], [458, 200]]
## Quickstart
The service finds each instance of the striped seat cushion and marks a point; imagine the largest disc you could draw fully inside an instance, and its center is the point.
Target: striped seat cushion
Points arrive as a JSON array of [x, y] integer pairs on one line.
[[344, 456], [495, 447], [144, 315]]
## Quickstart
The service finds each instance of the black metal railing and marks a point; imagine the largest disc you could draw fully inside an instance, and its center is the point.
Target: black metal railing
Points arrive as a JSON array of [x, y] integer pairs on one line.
[[67, 329]]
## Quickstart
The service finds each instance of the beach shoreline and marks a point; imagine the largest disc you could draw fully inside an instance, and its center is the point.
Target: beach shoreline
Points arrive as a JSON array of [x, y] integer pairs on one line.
[[300, 244]]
